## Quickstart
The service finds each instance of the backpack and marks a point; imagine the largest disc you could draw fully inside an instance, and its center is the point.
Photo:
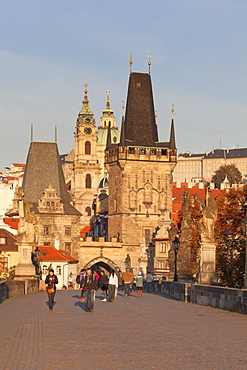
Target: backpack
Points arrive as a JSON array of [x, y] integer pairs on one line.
[[78, 279]]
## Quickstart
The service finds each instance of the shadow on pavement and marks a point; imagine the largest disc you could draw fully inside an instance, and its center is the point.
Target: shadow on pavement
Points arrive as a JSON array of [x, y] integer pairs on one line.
[[81, 305]]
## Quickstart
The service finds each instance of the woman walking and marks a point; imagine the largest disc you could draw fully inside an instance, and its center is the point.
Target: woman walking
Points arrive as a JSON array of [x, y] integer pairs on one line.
[[139, 285], [112, 285], [90, 285], [51, 281]]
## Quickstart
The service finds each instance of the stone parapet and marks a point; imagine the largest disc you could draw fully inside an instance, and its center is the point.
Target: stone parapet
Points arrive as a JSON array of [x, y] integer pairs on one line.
[[177, 290], [229, 299], [16, 288]]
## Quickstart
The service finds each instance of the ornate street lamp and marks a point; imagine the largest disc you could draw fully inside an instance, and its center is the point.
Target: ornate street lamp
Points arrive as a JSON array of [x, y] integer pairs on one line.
[[175, 245], [244, 228]]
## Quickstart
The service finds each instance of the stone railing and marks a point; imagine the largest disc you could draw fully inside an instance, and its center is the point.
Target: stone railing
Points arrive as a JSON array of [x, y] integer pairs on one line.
[[180, 291], [16, 288], [229, 299]]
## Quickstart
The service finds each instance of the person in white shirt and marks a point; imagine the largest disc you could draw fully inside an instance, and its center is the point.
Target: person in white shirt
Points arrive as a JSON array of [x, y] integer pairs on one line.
[[112, 285]]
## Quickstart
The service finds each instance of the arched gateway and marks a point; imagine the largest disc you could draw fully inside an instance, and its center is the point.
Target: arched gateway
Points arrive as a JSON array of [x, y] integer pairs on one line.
[[104, 263]]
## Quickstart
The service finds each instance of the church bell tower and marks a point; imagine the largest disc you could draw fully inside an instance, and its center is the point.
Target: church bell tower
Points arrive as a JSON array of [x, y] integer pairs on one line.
[[86, 170]]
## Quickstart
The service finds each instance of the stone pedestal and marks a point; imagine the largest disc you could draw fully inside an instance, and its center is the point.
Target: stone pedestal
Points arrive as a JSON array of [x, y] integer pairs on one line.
[[25, 268], [207, 274]]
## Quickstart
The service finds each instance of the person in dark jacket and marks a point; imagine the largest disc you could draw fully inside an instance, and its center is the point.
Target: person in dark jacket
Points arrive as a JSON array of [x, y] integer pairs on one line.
[[90, 285], [80, 280], [103, 284], [51, 281]]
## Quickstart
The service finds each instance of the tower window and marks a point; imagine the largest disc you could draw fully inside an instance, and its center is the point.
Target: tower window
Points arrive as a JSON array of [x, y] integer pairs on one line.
[[163, 152], [87, 147], [67, 247], [88, 211], [47, 230], [67, 230], [88, 181], [142, 151]]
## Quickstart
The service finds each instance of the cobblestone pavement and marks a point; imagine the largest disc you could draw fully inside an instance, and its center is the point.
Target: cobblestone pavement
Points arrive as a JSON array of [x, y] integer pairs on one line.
[[152, 332]]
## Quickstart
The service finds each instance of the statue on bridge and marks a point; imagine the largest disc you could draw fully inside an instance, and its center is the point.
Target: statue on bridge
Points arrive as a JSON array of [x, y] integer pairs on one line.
[[209, 214]]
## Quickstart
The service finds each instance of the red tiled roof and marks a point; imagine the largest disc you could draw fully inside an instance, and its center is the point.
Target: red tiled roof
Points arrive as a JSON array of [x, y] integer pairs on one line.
[[10, 245], [51, 254], [84, 231], [12, 222], [19, 165]]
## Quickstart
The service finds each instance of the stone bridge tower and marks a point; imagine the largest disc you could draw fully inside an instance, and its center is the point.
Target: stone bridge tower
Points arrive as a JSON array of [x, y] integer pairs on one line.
[[140, 170]]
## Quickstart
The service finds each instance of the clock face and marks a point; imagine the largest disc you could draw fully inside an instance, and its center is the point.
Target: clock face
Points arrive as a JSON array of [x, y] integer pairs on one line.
[[88, 130]]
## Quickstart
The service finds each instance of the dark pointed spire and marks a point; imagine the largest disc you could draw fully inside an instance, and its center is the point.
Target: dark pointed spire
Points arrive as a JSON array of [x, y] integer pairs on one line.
[[172, 133], [31, 133], [122, 136], [108, 140], [140, 125]]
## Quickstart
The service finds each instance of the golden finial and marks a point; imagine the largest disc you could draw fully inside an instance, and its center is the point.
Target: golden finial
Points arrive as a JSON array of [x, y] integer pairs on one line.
[[86, 91], [172, 110], [149, 62], [130, 62], [107, 96]]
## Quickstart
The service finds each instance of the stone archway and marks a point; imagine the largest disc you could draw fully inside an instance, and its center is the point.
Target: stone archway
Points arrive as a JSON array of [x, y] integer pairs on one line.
[[106, 264]]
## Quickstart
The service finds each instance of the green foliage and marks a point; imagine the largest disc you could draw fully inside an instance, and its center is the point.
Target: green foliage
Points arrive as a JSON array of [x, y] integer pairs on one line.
[[233, 174], [230, 246]]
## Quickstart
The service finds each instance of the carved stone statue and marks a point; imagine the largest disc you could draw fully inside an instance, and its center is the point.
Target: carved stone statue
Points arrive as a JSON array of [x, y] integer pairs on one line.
[[27, 224], [209, 215], [127, 262], [143, 249]]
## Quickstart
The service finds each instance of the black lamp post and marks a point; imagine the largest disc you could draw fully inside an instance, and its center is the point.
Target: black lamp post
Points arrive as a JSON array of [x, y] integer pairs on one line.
[[175, 245], [244, 228]]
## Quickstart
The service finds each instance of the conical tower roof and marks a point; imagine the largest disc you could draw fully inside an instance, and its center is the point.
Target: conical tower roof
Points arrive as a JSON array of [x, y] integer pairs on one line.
[[43, 169], [140, 126]]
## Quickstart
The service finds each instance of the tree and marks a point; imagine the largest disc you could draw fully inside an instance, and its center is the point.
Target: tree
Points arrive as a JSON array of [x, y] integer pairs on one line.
[[233, 174], [230, 247]]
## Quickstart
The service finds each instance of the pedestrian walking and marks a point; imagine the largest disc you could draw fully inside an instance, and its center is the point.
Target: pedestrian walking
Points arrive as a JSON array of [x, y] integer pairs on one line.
[[127, 278], [51, 280], [139, 284], [103, 284], [80, 280], [149, 279], [112, 285], [90, 285]]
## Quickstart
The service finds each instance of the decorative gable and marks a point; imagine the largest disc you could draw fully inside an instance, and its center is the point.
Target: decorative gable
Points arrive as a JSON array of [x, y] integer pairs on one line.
[[50, 202]]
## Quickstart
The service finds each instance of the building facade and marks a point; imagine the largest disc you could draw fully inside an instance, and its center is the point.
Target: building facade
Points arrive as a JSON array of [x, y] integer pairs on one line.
[[201, 167]]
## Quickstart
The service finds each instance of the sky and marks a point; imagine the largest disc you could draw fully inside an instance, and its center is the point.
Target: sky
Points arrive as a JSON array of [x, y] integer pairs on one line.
[[49, 49]]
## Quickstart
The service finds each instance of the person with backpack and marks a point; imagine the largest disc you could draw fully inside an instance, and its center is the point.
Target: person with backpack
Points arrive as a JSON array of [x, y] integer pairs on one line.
[[90, 285], [80, 280], [103, 284], [139, 285], [51, 280]]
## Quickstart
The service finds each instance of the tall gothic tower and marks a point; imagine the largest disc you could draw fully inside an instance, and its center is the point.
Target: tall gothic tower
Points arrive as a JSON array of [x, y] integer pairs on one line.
[[140, 169], [86, 170], [107, 119]]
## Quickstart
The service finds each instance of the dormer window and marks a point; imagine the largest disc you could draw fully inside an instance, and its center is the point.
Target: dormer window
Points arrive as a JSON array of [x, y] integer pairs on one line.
[[3, 240]]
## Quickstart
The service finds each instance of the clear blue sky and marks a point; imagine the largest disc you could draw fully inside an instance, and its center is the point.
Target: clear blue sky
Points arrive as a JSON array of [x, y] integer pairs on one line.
[[50, 49]]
